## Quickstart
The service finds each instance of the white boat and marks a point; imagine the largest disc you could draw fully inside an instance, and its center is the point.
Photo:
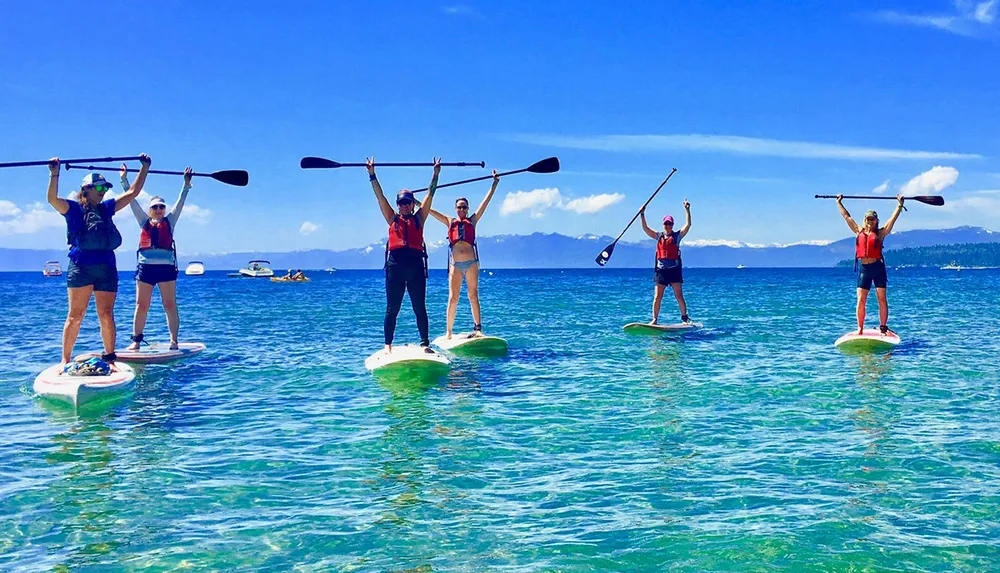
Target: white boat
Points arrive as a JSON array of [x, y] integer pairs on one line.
[[52, 269], [257, 269], [741, 266], [195, 269], [951, 267]]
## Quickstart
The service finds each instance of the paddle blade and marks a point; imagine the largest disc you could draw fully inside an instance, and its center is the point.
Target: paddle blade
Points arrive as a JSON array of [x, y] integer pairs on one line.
[[935, 200], [317, 163], [550, 165], [602, 258], [232, 177]]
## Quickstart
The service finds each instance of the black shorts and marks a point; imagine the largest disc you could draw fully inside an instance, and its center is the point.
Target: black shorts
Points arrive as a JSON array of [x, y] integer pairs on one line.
[[103, 277], [668, 276], [873, 273], [155, 274]]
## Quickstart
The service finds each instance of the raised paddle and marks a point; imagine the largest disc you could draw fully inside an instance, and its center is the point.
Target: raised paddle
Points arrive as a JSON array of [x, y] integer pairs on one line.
[[229, 177], [935, 200], [321, 163], [90, 160], [550, 165], [602, 258]]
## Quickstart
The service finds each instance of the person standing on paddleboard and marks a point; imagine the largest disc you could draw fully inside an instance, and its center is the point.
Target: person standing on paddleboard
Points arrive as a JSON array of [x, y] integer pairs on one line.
[[405, 255], [157, 260], [868, 249], [668, 268], [92, 238], [464, 256]]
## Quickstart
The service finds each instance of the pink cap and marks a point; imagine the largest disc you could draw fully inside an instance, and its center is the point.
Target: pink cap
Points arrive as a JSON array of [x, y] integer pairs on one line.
[[668, 219]]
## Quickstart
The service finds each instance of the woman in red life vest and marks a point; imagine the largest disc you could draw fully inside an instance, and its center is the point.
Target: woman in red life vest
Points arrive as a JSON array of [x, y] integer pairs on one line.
[[92, 238], [868, 249], [405, 255], [465, 256], [157, 260], [668, 261]]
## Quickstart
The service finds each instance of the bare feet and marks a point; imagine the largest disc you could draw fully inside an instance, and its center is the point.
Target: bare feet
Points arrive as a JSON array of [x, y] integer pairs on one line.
[[133, 346], [447, 336], [388, 349], [652, 322], [173, 345]]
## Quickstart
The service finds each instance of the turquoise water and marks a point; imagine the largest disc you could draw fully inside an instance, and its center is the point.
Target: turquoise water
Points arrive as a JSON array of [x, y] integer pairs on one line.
[[752, 445]]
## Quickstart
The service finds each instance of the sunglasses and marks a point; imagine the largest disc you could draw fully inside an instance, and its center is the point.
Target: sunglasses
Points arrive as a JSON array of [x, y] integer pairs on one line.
[[98, 188], [404, 203], [462, 207], [668, 224], [158, 207]]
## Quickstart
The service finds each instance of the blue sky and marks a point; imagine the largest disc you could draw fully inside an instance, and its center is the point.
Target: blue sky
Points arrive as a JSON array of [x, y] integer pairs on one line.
[[758, 107]]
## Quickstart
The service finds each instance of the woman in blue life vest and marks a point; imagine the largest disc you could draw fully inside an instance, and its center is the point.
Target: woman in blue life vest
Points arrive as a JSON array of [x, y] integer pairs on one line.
[[464, 259], [406, 255], [668, 268], [92, 238], [868, 250], [157, 260]]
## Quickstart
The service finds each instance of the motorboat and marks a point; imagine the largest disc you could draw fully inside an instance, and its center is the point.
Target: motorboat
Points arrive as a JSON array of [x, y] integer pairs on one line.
[[195, 269], [257, 269], [52, 269]]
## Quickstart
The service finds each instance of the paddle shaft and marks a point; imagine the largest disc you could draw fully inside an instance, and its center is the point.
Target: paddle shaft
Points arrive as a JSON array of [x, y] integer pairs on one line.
[[935, 200], [474, 179], [455, 164], [646, 204], [153, 171], [88, 160]]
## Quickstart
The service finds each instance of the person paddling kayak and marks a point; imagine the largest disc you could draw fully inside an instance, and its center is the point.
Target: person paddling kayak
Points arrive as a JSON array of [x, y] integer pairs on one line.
[[464, 256], [157, 260], [668, 268], [868, 249], [92, 238], [405, 255]]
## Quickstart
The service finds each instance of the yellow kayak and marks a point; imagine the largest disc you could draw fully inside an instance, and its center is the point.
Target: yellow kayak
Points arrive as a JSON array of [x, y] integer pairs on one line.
[[288, 280]]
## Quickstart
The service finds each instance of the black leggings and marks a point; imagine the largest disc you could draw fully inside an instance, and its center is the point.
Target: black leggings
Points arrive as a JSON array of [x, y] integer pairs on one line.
[[403, 274]]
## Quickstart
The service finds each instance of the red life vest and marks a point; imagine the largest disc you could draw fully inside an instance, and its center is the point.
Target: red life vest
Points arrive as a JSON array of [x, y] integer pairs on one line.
[[867, 246], [156, 235], [667, 247], [406, 233], [461, 230]]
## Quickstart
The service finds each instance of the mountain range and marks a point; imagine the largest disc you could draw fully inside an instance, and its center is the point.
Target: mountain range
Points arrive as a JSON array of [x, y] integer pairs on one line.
[[547, 250]]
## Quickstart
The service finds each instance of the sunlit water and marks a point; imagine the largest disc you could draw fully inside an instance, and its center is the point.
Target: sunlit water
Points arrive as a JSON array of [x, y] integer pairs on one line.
[[751, 445]]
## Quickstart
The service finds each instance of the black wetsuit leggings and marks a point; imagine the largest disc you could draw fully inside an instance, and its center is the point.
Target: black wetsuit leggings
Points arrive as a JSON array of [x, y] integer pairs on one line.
[[405, 273]]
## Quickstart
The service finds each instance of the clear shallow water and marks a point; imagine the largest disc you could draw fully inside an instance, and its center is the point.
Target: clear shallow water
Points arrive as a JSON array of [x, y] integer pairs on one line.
[[752, 445]]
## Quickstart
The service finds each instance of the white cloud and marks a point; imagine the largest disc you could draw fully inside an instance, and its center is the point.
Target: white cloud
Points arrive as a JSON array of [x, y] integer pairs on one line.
[[735, 144], [308, 228], [881, 188], [592, 204], [460, 10], [537, 201], [741, 244], [8, 209], [196, 214], [970, 18], [985, 203], [933, 180], [32, 219]]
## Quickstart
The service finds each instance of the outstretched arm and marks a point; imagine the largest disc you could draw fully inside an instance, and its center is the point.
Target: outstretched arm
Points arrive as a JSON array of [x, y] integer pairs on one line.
[[846, 215], [687, 219], [52, 195], [892, 220], [140, 215], [387, 211], [440, 217], [489, 196], [136, 187], [175, 213], [425, 208], [642, 218]]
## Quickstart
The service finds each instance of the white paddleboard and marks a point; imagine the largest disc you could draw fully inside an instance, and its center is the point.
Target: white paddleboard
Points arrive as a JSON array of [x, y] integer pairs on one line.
[[468, 342], [870, 340], [407, 357], [156, 353], [646, 328], [78, 390]]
